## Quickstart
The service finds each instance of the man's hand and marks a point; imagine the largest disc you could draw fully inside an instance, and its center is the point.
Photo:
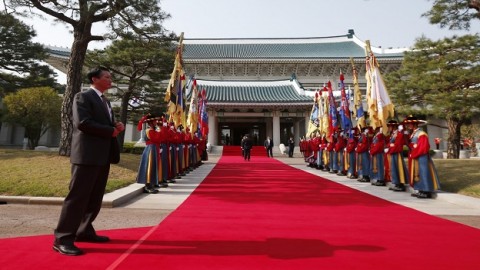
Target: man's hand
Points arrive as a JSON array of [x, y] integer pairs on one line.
[[119, 127]]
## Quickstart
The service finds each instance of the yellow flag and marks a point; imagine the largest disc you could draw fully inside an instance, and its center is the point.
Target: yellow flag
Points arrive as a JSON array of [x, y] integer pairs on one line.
[[357, 99], [380, 107]]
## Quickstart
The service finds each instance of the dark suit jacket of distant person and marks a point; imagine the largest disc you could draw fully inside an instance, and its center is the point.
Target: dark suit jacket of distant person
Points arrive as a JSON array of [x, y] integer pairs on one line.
[[92, 141], [267, 144]]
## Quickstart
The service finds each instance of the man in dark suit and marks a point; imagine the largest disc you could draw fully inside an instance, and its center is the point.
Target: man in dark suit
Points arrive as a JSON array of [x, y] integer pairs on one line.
[[94, 146], [246, 147], [291, 146], [268, 146]]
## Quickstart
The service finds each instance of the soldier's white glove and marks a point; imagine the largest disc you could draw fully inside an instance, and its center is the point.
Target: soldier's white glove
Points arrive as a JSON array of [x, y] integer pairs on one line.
[[161, 150], [178, 149], [400, 127], [385, 150]]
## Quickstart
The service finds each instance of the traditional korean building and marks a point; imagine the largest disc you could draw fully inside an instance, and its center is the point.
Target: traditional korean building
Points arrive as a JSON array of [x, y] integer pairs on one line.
[[260, 86], [265, 86]]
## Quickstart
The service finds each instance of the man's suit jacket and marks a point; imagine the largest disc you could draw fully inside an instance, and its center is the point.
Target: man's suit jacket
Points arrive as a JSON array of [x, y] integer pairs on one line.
[[268, 144], [92, 141]]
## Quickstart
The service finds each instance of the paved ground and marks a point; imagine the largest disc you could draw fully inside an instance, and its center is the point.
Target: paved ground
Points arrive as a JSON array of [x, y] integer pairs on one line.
[[135, 209]]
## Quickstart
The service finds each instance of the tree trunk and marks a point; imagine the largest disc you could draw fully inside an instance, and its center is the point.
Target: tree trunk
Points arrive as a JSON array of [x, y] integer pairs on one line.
[[475, 4], [123, 119], [33, 136], [74, 85], [453, 140], [124, 114]]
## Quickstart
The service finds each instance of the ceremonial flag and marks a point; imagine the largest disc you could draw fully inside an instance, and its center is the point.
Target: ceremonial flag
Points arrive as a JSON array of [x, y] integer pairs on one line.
[[314, 119], [175, 88], [179, 115], [325, 122], [204, 114], [332, 111], [192, 121], [344, 106], [380, 107], [357, 99]]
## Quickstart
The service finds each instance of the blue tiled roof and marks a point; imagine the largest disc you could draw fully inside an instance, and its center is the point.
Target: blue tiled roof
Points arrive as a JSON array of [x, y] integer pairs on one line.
[[58, 51], [335, 47], [275, 51], [258, 92]]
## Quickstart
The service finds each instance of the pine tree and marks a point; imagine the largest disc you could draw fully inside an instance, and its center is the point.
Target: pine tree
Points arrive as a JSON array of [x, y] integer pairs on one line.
[[440, 78]]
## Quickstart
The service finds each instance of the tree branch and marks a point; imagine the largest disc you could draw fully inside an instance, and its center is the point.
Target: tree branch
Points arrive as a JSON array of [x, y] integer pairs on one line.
[[38, 4]]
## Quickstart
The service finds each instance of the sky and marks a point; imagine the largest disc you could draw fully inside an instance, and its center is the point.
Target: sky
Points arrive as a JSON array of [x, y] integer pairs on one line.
[[386, 23]]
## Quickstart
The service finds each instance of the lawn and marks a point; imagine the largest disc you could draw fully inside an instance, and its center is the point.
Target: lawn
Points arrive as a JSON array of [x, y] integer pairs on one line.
[[460, 176], [46, 174]]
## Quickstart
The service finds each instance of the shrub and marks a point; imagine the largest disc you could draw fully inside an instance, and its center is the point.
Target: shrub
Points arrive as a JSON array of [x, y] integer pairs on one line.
[[130, 148]]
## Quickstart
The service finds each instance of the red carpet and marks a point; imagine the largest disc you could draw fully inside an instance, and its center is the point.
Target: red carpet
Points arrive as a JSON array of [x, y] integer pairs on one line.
[[235, 150], [263, 214]]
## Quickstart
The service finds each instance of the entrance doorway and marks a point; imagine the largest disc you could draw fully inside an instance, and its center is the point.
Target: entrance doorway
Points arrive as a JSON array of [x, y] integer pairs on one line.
[[232, 133]]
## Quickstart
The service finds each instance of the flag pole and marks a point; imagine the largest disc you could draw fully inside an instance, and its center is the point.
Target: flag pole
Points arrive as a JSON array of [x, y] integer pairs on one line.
[[368, 48], [173, 78], [357, 98]]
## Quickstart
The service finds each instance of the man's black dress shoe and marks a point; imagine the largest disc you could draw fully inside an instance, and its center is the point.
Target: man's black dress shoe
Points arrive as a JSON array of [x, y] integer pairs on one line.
[[70, 250], [378, 183], [150, 190], [398, 188], [424, 195], [92, 239]]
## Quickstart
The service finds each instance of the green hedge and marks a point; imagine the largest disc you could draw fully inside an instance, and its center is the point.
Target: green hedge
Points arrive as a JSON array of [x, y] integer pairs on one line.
[[132, 149]]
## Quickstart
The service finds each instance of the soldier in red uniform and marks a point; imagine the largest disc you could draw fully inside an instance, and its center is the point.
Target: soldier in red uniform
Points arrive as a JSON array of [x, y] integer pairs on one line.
[[398, 169], [333, 158], [351, 164], [301, 145], [315, 144], [150, 168], [377, 162], [164, 153], [172, 153], [311, 150], [363, 156], [340, 152], [324, 152], [423, 174], [187, 156]]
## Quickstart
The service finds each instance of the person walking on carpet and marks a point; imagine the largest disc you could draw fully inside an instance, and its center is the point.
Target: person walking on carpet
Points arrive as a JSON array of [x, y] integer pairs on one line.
[[291, 146], [268, 146], [246, 147], [94, 147]]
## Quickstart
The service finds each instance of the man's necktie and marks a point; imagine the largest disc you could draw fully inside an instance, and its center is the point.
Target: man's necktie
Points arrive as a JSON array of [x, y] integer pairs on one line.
[[107, 107]]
